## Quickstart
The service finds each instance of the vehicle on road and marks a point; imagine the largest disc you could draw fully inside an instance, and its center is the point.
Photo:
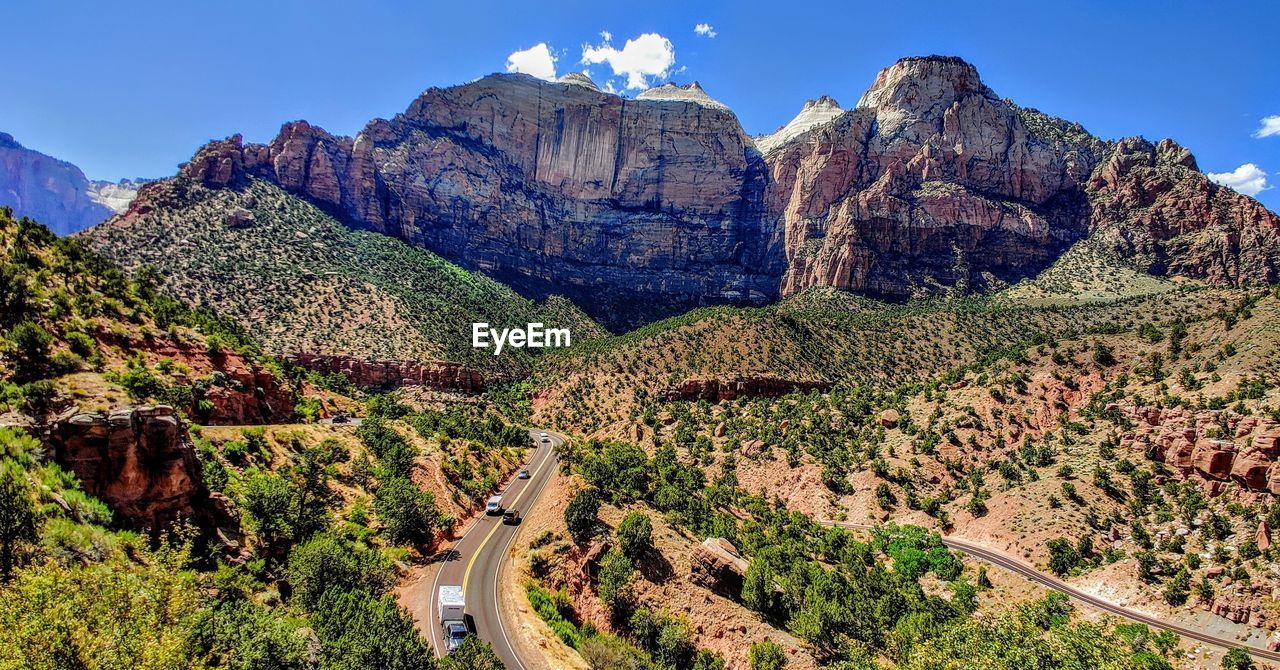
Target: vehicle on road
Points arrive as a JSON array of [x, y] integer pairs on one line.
[[543, 435], [546, 440], [511, 517], [524, 474], [453, 619], [494, 506]]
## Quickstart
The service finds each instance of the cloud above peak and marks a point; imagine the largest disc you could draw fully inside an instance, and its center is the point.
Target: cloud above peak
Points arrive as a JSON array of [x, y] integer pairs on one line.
[[705, 30], [639, 59], [1248, 179], [1270, 127], [537, 60]]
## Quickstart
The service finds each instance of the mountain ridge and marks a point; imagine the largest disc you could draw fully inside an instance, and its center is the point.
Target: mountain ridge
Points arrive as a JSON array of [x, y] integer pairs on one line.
[[638, 209]]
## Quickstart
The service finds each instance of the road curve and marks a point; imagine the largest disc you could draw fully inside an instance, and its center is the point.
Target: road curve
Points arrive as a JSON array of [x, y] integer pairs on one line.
[[1049, 581], [475, 560]]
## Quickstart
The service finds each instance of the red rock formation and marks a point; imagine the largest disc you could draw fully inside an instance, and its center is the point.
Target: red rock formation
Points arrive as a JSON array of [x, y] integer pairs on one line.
[[138, 461], [1181, 439], [756, 386], [362, 373], [1151, 203]]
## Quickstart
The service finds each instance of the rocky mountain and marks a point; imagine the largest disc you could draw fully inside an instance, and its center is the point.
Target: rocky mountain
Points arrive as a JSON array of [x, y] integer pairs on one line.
[[52, 191], [115, 195], [637, 208], [814, 113]]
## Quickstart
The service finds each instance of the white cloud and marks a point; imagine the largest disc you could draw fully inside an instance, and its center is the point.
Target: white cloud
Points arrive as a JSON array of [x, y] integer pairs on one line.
[[1248, 179], [536, 60], [1270, 127], [649, 55], [606, 35], [705, 29]]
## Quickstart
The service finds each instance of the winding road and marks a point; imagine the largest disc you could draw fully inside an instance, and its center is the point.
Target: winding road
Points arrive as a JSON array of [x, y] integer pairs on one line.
[[477, 559], [1007, 562]]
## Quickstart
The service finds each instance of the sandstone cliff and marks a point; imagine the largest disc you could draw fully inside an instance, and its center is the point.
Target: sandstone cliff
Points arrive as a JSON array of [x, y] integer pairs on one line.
[[139, 461], [639, 208], [367, 374]]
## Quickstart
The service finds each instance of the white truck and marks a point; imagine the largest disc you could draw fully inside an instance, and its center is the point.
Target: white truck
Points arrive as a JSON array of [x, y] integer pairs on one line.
[[452, 606]]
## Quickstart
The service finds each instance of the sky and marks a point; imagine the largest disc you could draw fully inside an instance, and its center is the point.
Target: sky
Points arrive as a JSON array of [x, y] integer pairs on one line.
[[132, 89]]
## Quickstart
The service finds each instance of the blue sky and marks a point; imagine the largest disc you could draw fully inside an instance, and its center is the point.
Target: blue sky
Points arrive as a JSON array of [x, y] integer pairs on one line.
[[132, 89]]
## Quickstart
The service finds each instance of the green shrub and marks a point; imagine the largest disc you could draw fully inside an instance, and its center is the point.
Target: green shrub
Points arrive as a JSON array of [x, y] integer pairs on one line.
[[408, 514]]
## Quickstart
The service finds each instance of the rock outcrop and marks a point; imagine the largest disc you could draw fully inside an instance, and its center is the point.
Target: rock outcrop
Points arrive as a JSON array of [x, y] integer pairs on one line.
[[931, 183], [53, 192], [645, 207], [438, 375], [138, 461], [757, 386], [1192, 443], [716, 565]]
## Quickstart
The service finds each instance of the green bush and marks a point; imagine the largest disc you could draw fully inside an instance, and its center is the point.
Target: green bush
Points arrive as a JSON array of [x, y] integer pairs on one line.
[[408, 514], [767, 655], [326, 562], [635, 535], [580, 515], [30, 343]]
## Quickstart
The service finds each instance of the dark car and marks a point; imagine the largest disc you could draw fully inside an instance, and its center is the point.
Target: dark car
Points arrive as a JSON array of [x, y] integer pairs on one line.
[[511, 517]]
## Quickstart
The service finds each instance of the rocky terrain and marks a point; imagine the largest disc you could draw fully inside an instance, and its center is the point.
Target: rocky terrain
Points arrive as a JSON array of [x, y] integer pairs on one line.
[[641, 208], [49, 190]]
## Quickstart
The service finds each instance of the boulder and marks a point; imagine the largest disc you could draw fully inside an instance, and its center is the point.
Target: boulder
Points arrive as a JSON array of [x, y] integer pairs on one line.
[[1213, 458], [716, 565], [889, 418], [1250, 468]]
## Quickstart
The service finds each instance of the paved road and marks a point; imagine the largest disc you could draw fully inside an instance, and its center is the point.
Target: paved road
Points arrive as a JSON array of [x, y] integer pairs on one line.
[[476, 559], [1049, 581]]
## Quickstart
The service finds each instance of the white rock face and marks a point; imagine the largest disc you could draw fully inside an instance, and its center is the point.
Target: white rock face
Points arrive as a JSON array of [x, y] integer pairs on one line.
[[578, 79], [116, 196], [688, 93], [814, 114]]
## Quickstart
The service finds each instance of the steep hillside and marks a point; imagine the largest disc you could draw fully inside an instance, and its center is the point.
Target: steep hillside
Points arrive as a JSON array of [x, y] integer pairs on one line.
[[232, 547], [639, 209], [49, 190], [831, 336], [79, 333], [302, 282], [1135, 456]]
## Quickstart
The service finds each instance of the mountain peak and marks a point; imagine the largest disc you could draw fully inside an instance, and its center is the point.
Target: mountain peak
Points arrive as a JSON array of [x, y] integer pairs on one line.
[[578, 79], [687, 93], [924, 82], [815, 113], [7, 142]]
